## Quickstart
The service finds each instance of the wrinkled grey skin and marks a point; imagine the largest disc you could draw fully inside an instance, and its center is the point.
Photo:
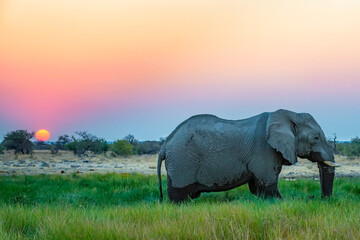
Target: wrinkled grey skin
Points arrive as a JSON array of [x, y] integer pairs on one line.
[[206, 153]]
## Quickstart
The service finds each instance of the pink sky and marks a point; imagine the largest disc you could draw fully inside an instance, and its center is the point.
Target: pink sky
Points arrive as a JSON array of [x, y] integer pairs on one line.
[[142, 67]]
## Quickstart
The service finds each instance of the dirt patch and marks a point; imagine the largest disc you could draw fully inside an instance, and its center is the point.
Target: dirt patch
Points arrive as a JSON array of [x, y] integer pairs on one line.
[[43, 162], [305, 168]]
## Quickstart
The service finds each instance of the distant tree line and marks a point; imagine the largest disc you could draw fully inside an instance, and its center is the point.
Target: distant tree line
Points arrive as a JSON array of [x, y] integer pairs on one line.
[[350, 149], [83, 143], [80, 144]]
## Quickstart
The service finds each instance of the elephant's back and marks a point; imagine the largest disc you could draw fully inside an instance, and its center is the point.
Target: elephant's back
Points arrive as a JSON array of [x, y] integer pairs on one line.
[[206, 127], [192, 123]]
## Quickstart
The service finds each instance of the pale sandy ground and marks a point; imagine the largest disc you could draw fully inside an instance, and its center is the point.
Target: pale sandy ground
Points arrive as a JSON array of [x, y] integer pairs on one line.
[[42, 162]]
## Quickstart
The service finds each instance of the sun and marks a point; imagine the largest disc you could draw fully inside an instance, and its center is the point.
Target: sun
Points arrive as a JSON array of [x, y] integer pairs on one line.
[[42, 135]]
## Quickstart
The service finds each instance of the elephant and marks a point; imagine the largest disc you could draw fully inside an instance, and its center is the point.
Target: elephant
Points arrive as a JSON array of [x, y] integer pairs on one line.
[[206, 153]]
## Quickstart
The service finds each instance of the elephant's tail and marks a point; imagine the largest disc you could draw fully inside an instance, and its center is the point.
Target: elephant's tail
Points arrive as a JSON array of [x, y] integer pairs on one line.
[[160, 159]]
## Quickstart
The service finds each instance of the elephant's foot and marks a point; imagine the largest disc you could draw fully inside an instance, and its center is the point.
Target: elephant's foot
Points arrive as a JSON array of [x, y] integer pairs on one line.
[[261, 190]]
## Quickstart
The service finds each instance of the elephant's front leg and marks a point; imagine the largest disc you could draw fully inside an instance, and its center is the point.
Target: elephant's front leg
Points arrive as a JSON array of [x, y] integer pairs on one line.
[[262, 190], [265, 174]]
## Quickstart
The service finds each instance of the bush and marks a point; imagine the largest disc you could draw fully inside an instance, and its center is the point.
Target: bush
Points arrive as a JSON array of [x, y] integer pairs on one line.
[[2, 149], [87, 142], [40, 145], [122, 147], [19, 140], [350, 149], [71, 146], [147, 147], [60, 144], [100, 146]]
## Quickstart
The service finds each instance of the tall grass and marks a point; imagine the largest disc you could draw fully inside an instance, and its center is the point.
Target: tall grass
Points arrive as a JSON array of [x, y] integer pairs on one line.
[[114, 206], [85, 190]]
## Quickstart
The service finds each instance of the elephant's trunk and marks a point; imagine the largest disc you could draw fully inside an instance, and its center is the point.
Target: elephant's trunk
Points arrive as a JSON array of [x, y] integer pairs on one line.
[[327, 174]]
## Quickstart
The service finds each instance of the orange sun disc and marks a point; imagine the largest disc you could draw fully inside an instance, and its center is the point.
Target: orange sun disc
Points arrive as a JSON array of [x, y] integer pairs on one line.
[[42, 135]]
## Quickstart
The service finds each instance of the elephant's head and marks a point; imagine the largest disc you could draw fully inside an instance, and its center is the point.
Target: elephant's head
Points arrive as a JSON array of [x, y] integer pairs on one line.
[[299, 135]]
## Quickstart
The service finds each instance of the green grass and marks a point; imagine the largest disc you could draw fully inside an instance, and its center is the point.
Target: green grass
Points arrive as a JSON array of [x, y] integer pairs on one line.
[[125, 206]]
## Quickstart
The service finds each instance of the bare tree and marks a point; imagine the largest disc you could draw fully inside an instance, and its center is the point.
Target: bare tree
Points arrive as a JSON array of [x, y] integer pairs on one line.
[[131, 139]]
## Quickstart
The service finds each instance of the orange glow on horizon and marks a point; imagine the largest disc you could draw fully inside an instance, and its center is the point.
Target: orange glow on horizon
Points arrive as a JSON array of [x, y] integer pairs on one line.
[[42, 135]]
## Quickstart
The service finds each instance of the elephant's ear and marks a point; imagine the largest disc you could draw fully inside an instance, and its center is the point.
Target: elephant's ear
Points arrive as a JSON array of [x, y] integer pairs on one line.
[[281, 134]]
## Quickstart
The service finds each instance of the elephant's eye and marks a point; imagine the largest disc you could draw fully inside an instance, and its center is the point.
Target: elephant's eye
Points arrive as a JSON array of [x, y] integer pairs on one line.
[[317, 138]]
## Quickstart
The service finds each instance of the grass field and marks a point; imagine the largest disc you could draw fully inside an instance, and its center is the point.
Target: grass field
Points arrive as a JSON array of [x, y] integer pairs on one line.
[[125, 206]]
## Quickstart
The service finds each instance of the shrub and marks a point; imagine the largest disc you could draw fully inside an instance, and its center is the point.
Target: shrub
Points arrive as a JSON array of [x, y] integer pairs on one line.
[[87, 142], [350, 149], [71, 146], [147, 147], [60, 144], [122, 147], [41, 145], [2, 149], [19, 140], [100, 146]]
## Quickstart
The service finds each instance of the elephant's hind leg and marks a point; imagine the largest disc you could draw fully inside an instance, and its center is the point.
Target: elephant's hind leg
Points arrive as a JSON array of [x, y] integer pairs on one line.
[[178, 195]]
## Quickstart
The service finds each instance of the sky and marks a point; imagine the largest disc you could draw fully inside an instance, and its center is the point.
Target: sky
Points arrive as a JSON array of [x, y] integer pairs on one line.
[[141, 67]]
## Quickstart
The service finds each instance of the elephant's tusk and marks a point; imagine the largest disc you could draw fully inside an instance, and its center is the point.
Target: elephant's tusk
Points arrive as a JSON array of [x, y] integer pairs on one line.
[[332, 164]]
